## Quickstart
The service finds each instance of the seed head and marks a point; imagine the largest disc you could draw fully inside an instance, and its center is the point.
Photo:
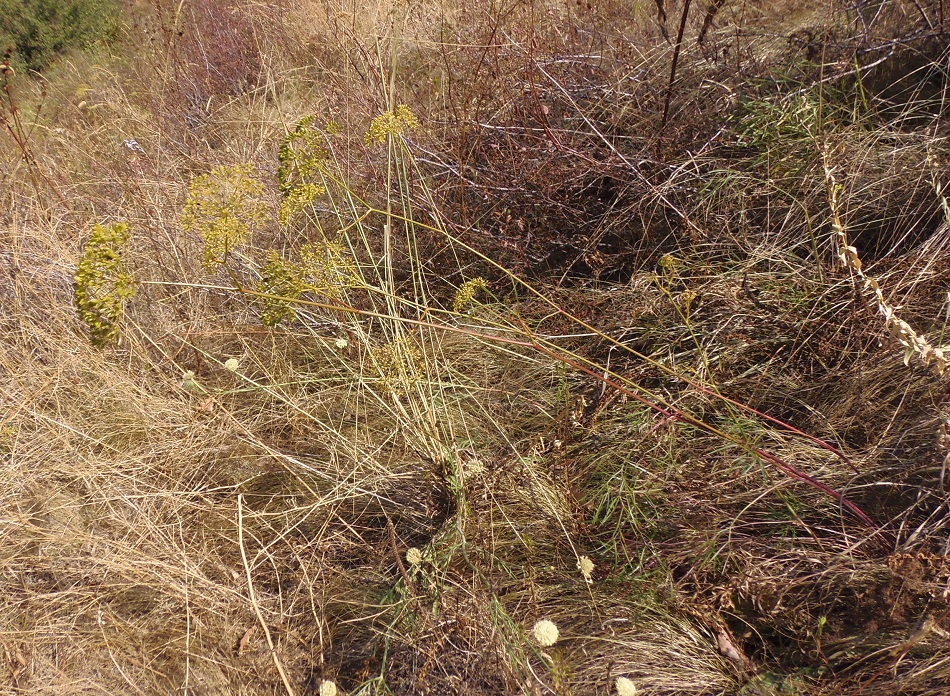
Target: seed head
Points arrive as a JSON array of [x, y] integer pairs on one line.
[[188, 382], [546, 633], [625, 687], [586, 566]]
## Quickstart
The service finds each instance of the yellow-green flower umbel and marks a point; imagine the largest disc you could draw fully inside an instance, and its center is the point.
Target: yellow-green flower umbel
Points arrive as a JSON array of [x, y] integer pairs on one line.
[[396, 122], [223, 207], [466, 293], [301, 163], [282, 283], [103, 284]]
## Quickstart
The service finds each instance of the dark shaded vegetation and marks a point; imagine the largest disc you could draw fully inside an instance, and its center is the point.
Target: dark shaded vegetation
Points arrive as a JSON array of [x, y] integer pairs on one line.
[[40, 31]]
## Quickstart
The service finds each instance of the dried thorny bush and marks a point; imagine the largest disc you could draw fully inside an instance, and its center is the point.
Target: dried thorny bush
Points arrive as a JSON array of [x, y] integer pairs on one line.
[[199, 55]]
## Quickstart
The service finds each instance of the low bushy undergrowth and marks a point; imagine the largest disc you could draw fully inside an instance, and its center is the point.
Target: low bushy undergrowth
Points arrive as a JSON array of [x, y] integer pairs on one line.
[[40, 31]]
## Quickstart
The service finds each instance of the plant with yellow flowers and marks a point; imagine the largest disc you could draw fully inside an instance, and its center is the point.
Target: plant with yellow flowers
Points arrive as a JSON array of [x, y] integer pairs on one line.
[[224, 206], [399, 364], [102, 282], [467, 292], [325, 268], [394, 122], [282, 284], [301, 161], [329, 267]]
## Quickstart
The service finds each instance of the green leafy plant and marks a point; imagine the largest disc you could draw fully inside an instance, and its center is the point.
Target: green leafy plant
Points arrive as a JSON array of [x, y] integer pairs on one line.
[[42, 30]]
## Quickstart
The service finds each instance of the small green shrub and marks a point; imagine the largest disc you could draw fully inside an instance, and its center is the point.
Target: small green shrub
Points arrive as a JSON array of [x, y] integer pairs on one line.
[[41, 30]]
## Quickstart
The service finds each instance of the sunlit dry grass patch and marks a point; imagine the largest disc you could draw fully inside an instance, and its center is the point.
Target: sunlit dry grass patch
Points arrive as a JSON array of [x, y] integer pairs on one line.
[[426, 348]]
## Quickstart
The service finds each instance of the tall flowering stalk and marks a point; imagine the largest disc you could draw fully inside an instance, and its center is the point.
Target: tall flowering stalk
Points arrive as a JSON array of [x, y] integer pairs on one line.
[[899, 330], [102, 282]]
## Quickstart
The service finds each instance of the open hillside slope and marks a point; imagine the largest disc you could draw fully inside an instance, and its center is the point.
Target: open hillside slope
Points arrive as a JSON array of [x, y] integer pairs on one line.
[[424, 347]]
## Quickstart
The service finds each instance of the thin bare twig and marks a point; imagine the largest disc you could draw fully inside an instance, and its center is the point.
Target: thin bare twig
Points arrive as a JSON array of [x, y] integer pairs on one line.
[[676, 57], [253, 598]]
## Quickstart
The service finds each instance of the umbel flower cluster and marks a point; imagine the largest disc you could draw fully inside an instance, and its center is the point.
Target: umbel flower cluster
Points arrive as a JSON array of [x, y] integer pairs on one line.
[[102, 282], [391, 123], [301, 163], [400, 365], [467, 292], [282, 283], [224, 206], [325, 268]]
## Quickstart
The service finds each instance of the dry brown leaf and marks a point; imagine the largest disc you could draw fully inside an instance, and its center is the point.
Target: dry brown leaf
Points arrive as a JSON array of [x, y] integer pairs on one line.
[[729, 649], [245, 640]]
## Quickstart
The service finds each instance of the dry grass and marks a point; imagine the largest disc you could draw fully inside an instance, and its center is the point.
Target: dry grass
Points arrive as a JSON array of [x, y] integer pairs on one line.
[[666, 369]]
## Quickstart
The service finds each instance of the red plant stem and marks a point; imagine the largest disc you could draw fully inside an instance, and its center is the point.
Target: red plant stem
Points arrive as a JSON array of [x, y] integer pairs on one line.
[[676, 57], [824, 488], [787, 426], [743, 407], [670, 412], [675, 413]]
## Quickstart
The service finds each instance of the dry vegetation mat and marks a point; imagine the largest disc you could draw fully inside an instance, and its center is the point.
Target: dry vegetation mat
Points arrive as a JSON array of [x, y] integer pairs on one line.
[[428, 347]]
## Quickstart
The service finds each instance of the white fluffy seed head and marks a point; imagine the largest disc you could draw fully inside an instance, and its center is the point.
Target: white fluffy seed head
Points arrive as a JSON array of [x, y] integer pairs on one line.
[[625, 687], [546, 633], [586, 566]]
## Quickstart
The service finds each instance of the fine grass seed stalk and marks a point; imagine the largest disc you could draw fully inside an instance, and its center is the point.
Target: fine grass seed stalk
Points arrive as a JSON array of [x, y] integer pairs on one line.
[[915, 344]]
